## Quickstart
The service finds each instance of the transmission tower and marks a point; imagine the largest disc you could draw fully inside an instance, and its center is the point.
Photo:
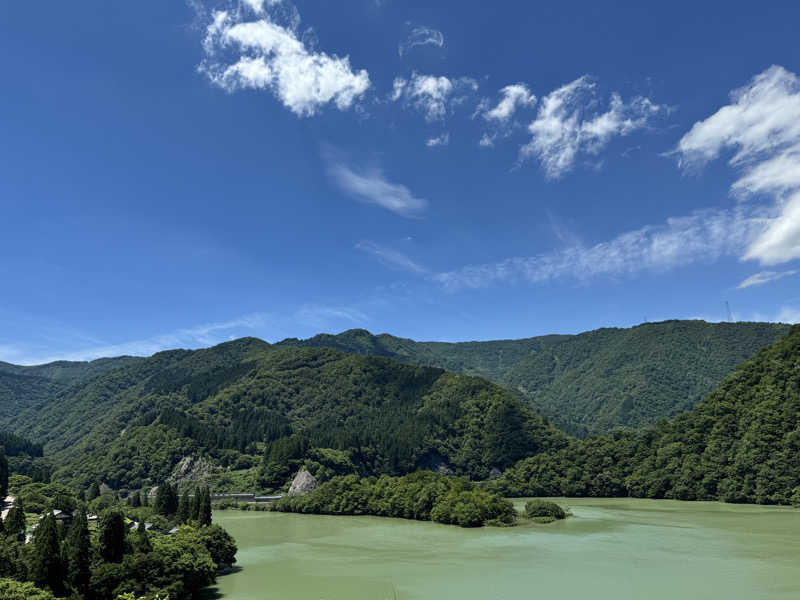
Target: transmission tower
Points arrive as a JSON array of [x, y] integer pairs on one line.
[[728, 308]]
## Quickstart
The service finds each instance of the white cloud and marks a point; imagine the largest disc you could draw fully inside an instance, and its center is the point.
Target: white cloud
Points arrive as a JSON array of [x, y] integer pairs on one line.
[[430, 94], [565, 127], [514, 96], [701, 237], [257, 6], [762, 126], [764, 277], [371, 186], [391, 258], [487, 141], [421, 36], [441, 140], [263, 54]]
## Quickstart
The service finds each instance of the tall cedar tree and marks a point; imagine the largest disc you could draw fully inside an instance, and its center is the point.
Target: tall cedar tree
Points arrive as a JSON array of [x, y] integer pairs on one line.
[[204, 507], [112, 536], [46, 569], [185, 508], [3, 474], [166, 503], [94, 492], [77, 549], [141, 539], [15, 522]]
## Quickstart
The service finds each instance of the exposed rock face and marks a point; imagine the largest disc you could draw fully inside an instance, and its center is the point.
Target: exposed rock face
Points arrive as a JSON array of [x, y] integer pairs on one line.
[[443, 469], [191, 468], [303, 483]]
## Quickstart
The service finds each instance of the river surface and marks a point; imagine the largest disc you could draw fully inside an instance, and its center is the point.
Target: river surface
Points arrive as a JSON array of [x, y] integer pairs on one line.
[[610, 549]]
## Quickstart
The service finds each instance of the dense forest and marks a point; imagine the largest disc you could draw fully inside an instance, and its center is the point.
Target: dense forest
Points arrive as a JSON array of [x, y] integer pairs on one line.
[[247, 406], [593, 382], [740, 444], [92, 545], [422, 496]]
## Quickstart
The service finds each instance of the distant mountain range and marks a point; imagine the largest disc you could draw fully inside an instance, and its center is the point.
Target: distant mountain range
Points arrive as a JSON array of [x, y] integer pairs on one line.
[[592, 382], [356, 402]]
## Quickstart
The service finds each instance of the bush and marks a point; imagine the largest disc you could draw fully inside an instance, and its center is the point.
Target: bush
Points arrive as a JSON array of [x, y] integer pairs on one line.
[[14, 590], [539, 509]]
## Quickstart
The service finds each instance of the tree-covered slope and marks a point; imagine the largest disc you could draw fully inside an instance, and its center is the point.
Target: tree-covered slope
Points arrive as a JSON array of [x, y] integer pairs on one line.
[[592, 382], [610, 378], [740, 444], [31, 387], [485, 359], [134, 424]]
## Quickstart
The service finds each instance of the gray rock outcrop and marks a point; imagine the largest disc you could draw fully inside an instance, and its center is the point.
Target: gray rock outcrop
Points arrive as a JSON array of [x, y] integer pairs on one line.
[[303, 483]]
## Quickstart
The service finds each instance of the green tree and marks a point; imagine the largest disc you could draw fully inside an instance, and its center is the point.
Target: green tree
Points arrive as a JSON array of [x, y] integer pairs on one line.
[[46, 569], [204, 507], [112, 536], [14, 590], [3, 474], [77, 549], [185, 507], [166, 503], [93, 492], [15, 522], [141, 539]]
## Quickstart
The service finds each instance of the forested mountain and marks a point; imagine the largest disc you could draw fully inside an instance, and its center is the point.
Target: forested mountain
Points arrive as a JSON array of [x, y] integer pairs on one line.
[[740, 444], [232, 403], [23, 387], [595, 381]]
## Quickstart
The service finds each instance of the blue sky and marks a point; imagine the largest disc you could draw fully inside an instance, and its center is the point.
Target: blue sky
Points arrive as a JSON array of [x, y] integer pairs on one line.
[[178, 174]]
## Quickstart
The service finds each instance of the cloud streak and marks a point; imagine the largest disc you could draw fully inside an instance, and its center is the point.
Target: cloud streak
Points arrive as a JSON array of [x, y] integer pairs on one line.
[[391, 258], [764, 277], [702, 237], [371, 186]]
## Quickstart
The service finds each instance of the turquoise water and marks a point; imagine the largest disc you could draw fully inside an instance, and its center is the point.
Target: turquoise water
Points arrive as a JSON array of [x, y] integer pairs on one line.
[[609, 549]]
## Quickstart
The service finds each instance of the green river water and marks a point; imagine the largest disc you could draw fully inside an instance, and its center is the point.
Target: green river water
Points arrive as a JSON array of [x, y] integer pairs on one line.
[[610, 549]]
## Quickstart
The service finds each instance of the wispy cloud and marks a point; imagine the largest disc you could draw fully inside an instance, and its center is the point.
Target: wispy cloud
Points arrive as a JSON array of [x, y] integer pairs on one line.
[[391, 258], [762, 126], [316, 315], [701, 237], [566, 125], [431, 95], [764, 277], [192, 337], [441, 140], [513, 97], [421, 36], [261, 49], [371, 186]]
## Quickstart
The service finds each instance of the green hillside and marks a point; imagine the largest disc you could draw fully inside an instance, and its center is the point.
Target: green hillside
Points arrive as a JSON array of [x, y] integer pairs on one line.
[[31, 387], [740, 444], [595, 381], [234, 403]]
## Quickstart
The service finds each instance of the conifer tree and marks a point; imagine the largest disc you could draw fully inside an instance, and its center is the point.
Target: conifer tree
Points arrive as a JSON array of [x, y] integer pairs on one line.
[[141, 539], [15, 522], [145, 497], [166, 503], [46, 569], [185, 508], [3, 474], [77, 548], [204, 507], [194, 511], [112, 536], [94, 492]]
